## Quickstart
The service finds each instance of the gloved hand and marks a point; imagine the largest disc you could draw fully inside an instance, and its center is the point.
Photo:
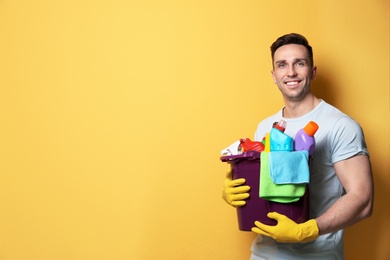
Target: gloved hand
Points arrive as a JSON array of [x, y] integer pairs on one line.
[[287, 231], [233, 193]]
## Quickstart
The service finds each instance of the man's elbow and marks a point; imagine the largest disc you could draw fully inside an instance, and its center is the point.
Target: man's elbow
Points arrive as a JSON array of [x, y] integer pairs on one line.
[[368, 208]]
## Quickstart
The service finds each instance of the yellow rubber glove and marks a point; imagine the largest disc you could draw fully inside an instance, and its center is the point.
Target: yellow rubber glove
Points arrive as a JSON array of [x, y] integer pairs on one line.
[[233, 193], [287, 231]]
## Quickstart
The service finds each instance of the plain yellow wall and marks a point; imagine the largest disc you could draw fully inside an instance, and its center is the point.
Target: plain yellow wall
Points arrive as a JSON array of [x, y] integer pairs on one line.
[[113, 114]]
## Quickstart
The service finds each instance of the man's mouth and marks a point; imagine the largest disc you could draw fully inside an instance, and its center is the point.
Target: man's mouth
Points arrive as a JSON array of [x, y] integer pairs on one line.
[[292, 83]]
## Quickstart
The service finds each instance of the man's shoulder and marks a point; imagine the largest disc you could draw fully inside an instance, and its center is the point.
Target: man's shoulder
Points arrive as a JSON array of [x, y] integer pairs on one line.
[[268, 121], [266, 124], [328, 112]]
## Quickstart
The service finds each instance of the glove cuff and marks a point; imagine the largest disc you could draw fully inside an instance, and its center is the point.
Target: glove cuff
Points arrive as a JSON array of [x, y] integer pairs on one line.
[[309, 231]]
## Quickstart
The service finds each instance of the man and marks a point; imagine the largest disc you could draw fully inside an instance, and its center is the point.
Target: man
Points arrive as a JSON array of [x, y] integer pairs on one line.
[[341, 184]]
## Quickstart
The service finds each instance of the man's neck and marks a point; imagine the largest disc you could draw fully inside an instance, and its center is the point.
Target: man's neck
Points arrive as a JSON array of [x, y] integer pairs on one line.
[[294, 109]]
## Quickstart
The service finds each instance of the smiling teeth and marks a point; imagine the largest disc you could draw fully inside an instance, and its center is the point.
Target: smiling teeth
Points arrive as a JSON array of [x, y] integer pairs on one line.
[[292, 83]]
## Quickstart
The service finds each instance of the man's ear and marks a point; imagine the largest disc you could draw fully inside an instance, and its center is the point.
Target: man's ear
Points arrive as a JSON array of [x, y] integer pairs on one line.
[[313, 72]]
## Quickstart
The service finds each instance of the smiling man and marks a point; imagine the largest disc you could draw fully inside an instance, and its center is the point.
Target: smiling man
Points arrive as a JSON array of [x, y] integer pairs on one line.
[[292, 71], [341, 184]]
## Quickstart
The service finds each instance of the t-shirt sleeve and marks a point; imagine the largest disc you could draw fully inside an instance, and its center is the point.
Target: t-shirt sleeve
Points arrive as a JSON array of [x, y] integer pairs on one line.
[[348, 140], [266, 125], [260, 132]]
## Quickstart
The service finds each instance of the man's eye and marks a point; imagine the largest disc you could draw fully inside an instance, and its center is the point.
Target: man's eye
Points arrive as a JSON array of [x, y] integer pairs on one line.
[[300, 64], [281, 65]]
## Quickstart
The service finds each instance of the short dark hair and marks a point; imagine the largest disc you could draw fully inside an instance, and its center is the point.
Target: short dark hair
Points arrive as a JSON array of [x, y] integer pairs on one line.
[[292, 38]]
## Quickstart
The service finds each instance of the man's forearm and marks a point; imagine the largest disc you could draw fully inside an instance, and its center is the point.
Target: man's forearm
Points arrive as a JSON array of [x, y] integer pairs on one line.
[[345, 212], [357, 204]]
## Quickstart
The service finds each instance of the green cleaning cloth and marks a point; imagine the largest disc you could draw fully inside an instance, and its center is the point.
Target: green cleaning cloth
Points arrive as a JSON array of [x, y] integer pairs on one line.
[[282, 193]]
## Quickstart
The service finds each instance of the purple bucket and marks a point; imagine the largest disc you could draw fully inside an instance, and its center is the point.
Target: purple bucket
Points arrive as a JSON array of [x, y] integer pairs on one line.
[[247, 166]]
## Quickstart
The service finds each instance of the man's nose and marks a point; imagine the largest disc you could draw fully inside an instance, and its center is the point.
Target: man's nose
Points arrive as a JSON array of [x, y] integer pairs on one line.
[[291, 71]]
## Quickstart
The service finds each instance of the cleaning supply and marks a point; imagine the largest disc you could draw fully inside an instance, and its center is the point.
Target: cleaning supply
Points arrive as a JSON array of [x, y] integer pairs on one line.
[[247, 145], [282, 193], [279, 141], [232, 149], [247, 166], [267, 141], [304, 139], [287, 231], [281, 125], [289, 167]]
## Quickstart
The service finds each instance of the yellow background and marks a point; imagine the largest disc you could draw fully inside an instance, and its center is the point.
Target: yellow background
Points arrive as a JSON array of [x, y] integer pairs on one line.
[[113, 114]]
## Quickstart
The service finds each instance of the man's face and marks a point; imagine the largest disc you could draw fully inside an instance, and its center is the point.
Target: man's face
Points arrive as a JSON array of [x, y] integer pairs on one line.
[[292, 71]]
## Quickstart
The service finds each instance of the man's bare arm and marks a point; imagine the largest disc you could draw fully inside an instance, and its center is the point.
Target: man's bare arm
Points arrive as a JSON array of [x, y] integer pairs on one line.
[[357, 204]]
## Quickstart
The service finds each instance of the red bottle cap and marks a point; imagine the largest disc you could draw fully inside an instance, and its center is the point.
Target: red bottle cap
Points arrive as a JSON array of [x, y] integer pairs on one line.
[[281, 125], [311, 128]]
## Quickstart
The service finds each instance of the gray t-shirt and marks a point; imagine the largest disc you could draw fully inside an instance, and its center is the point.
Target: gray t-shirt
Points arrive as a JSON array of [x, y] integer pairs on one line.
[[339, 137]]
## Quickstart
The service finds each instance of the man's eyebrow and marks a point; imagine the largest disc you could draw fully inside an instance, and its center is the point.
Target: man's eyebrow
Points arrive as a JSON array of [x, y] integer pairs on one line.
[[295, 60], [300, 59]]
